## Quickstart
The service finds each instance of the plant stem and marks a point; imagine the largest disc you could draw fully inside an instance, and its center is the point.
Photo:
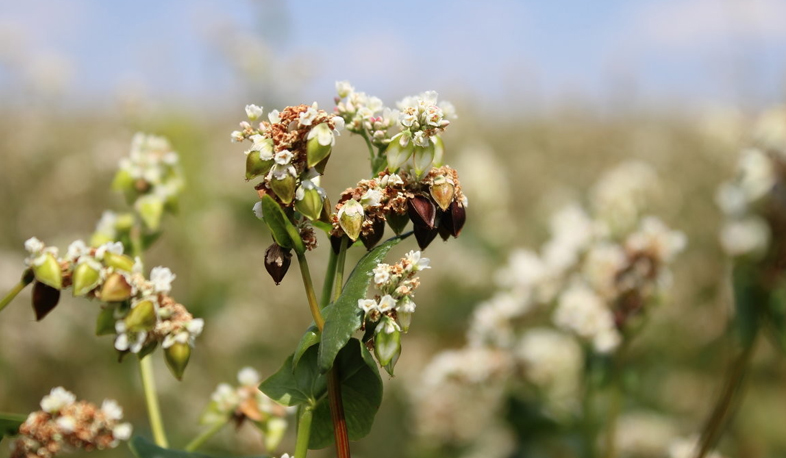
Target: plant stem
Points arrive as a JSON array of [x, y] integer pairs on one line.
[[339, 276], [731, 392], [12, 294], [200, 440], [330, 275], [303, 432], [370, 147], [588, 428], [312, 297], [615, 403], [153, 410]]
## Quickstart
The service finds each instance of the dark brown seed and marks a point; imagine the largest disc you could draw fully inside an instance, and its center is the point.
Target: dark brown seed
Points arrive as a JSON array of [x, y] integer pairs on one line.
[[424, 235], [335, 243], [373, 237], [422, 211], [277, 261], [45, 298], [443, 229], [454, 218]]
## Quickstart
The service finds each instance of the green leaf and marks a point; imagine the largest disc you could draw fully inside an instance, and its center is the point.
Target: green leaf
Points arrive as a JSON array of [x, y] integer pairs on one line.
[[10, 423], [292, 386], [143, 448], [309, 339], [284, 232], [776, 317], [344, 317], [361, 395], [750, 301]]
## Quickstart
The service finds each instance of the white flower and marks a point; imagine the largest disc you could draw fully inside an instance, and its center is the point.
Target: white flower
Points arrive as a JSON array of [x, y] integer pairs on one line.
[[248, 376], [34, 246], [757, 174], [387, 303], [381, 274], [57, 399], [284, 157], [371, 198], [407, 118], [308, 116], [747, 236], [253, 112], [66, 424], [581, 310], [338, 124], [195, 326], [112, 409], [351, 208], [122, 432], [420, 139], [225, 397], [343, 88], [258, 210], [162, 278], [433, 116], [111, 247], [391, 180], [656, 238], [274, 117], [236, 136], [417, 262], [171, 339], [367, 305]]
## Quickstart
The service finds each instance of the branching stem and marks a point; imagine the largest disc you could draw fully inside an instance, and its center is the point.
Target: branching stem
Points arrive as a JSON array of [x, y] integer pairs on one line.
[[203, 437]]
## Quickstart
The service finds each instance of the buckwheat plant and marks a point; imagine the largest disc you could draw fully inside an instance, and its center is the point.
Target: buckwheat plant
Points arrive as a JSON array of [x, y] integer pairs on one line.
[[753, 238], [552, 343], [288, 152]]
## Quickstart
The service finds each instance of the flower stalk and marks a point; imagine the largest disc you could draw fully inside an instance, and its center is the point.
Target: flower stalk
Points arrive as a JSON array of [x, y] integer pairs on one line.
[[204, 436], [151, 398]]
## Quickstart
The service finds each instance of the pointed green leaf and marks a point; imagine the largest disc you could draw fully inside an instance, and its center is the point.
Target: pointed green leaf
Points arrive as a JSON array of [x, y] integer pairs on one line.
[[361, 395], [143, 448], [284, 232], [10, 423], [292, 386], [344, 317]]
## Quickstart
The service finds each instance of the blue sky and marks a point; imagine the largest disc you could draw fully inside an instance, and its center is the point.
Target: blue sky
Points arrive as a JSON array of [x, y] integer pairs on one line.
[[540, 53]]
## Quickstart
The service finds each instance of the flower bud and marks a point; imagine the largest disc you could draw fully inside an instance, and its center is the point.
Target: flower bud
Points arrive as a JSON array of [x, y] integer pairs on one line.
[[45, 298], [277, 261], [422, 211], [85, 278], [308, 200], [320, 143], [442, 191], [375, 235], [118, 261], [387, 341], [350, 218], [404, 312], [399, 150], [150, 208], [256, 166], [177, 356], [424, 235], [274, 432], [397, 221], [115, 289], [454, 218], [283, 185], [142, 317], [47, 270], [422, 159]]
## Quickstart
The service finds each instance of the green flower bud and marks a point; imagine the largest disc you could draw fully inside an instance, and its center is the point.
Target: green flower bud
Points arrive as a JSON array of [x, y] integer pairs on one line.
[[47, 270], [123, 181], [320, 143], [85, 278], [422, 159], [45, 298], [283, 185], [118, 261], [404, 312], [105, 323], [387, 341], [442, 191], [350, 218], [399, 150], [274, 432], [150, 208], [115, 289], [256, 165], [177, 357], [141, 317], [308, 200]]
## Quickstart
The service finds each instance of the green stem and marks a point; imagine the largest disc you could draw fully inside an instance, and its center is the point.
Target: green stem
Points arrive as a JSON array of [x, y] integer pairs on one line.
[[153, 410], [731, 392], [330, 276], [200, 440], [370, 147], [303, 432], [13, 293], [615, 403], [339, 276], [312, 297], [588, 427]]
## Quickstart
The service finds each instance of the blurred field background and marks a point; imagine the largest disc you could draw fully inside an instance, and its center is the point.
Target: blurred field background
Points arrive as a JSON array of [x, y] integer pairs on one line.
[[548, 98]]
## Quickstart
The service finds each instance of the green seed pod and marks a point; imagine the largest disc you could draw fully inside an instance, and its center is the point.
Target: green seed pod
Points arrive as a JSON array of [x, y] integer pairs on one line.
[[115, 289], [350, 218], [47, 270], [256, 166], [141, 317], [177, 357], [422, 159], [85, 278], [387, 341], [442, 191], [283, 185], [308, 200], [320, 144], [150, 208], [118, 261], [399, 150]]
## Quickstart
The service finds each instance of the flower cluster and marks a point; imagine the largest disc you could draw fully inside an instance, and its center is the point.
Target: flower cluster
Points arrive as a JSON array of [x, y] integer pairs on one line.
[[753, 200], [390, 312], [364, 114], [138, 310], [64, 424], [435, 204], [150, 178], [246, 402]]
